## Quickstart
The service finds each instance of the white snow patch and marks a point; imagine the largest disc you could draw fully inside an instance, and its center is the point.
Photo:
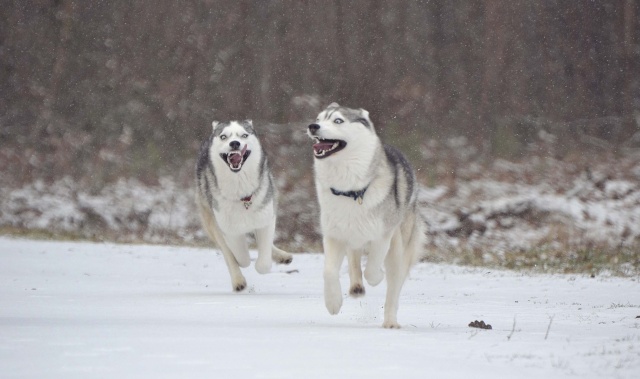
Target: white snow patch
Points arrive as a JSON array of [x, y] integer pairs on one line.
[[495, 215], [483, 213], [127, 207]]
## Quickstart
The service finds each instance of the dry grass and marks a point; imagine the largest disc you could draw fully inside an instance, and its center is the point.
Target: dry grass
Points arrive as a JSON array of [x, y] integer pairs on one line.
[[623, 261]]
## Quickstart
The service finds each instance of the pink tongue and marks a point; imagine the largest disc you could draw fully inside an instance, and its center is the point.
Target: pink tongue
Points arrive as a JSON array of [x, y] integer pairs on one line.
[[322, 146], [235, 158]]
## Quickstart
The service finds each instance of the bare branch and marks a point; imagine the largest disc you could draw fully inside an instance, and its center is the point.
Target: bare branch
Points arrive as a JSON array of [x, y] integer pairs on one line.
[[549, 327], [513, 329]]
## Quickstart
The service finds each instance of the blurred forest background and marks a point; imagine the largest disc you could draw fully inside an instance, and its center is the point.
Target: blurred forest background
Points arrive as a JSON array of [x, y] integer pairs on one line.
[[99, 90], [144, 79]]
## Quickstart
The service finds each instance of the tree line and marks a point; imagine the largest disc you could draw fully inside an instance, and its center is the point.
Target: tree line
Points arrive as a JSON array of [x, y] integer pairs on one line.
[[87, 84]]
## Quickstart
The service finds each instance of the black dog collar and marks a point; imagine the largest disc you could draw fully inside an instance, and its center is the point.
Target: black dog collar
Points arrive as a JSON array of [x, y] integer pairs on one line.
[[355, 195]]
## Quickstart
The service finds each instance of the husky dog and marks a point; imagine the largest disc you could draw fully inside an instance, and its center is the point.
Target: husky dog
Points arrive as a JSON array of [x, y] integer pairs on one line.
[[367, 193], [235, 195]]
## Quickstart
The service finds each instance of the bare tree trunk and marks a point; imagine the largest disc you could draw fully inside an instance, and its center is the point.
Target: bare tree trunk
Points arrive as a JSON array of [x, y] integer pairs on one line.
[[630, 65], [342, 84], [373, 62], [494, 46], [46, 113]]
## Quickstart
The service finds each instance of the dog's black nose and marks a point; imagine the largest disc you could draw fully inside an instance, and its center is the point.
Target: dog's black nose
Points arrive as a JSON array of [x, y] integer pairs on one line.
[[314, 127], [235, 145]]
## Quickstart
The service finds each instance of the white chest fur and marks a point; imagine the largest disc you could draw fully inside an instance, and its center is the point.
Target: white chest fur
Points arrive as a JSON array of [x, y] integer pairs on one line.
[[233, 215], [347, 219], [234, 219]]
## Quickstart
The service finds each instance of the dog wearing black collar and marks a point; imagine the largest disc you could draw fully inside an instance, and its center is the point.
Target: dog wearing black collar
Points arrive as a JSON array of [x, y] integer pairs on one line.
[[367, 193]]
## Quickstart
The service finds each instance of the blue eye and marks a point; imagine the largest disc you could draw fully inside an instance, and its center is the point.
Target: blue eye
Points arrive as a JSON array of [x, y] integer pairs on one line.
[[245, 135], [338, 121], [223, 137]]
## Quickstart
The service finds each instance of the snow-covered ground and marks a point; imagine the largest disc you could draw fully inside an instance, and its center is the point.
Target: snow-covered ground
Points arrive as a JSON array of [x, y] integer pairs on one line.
[[78, 310]]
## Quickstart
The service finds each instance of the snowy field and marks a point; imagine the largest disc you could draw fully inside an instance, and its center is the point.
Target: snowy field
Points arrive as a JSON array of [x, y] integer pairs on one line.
[[80, 310]]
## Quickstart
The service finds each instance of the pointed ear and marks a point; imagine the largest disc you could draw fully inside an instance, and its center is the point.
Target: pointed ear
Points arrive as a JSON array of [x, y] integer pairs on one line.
[[333, 105], [365, 120], [214, 124], [248, 125]]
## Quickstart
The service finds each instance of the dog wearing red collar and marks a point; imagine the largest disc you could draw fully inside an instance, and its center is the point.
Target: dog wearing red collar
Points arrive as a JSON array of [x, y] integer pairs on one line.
[[236, 196]]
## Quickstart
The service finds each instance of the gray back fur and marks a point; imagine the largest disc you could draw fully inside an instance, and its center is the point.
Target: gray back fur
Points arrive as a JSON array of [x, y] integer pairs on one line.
[[402, 196]]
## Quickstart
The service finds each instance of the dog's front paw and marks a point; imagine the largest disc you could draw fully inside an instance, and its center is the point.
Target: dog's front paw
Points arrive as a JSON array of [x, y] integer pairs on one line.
[[357, 290], [263, 266], [244, 260], [239, 286], [373, 275], [333, 304], [332, 296], [283, 259], [390, 325]]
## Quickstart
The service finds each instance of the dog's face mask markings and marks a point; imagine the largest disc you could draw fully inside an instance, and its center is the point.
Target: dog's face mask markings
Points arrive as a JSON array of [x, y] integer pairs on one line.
[[233, 140], [332, 128]]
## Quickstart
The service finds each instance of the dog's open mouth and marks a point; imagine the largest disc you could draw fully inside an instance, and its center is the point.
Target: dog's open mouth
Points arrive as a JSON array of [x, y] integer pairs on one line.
[[236, 158], [323, 148]]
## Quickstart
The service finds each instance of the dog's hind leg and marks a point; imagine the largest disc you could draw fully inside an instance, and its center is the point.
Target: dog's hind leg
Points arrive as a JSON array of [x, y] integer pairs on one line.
[[377, 251], [280, 256], [238, 282], [397, 264], [355, 273], [333, 256], [264, 240]]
